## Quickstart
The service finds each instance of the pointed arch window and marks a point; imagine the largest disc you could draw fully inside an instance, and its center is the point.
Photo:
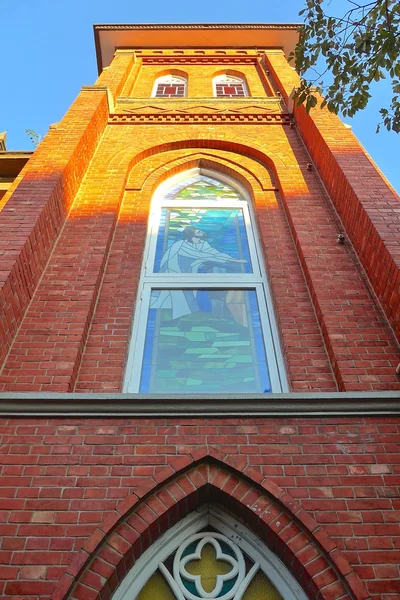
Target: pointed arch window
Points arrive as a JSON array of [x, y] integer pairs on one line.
[[204, 322], [170, 86], [228, 86], [209, 555]]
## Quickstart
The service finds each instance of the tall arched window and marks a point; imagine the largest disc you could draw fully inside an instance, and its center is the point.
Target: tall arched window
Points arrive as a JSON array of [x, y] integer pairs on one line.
[[204, 321], [209, 555], [170, 86], [229, 86]]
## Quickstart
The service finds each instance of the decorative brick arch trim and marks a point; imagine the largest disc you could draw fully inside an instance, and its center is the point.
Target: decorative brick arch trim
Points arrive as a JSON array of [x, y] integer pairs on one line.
[[200, 160], [208, 475], [232, 72], [223, 161], [177, 72], [271, 161]]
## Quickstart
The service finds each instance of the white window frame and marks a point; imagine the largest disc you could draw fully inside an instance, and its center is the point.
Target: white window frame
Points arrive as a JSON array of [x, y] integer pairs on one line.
[[256, 281], [226, 79], [169, 80], [214, 516]]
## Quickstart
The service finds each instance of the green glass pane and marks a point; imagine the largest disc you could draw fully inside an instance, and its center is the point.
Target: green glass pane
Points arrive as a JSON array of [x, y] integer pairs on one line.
[[201, 187], [203, 359]]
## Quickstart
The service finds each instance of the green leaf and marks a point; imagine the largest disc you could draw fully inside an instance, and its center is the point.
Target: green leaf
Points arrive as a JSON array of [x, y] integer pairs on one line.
[[358, 47]]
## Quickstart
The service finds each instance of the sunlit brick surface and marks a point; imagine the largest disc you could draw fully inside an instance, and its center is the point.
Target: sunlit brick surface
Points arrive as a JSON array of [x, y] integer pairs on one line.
[[73, 232]]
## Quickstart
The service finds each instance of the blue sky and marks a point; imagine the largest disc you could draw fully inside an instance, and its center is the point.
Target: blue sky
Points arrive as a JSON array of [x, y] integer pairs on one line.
[[48, 53]]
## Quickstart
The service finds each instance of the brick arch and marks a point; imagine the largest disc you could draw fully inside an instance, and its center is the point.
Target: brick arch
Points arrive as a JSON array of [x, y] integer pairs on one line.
[[177, 72], [200, 160], [208, 475], [232, 72], [140, 184], [252, 174], [270, 161]]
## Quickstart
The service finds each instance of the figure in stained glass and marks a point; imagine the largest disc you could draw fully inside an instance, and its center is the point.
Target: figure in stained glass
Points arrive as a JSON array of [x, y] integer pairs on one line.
[[188, 256], [189, 240], [193, 252]]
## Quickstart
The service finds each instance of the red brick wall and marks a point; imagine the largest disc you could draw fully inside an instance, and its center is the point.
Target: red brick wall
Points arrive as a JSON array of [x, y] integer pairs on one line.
[[76, 226], [367, 205], [33, 215], [317, 306], [62, 478], [74, 334]]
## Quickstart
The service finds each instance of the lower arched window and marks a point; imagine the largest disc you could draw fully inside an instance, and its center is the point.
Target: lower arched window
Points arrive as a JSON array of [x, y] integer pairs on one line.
[[204, 320], [209, 555]]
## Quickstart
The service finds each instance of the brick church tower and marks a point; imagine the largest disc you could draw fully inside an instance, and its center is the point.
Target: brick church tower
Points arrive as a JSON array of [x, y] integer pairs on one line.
[[200, 308]]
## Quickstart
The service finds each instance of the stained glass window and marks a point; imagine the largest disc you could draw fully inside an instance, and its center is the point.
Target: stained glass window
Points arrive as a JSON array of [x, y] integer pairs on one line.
[[221, 241], [169, 86], [204, 341], [209, 555], [229, 86], [203, 325], [209, 565]]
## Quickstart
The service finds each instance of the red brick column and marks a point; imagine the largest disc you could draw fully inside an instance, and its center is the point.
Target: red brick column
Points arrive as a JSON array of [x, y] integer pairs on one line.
[[367, 206], [362, 349], [32, 217], [115, 76]]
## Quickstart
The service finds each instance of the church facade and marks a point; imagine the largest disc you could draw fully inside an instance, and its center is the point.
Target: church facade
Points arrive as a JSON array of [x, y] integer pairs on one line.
[[200, 326]]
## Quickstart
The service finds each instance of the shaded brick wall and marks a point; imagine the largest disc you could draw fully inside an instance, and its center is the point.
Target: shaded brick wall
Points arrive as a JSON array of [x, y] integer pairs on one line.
[[366, 204], [62, 478]]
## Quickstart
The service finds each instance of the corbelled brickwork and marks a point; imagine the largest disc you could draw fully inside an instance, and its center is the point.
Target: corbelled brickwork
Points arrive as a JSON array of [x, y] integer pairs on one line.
[[82, 498]]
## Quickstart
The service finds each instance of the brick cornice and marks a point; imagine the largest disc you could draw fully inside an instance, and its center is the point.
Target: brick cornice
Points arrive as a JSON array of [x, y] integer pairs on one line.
[[201, 110], [201, 118], [199, 60]]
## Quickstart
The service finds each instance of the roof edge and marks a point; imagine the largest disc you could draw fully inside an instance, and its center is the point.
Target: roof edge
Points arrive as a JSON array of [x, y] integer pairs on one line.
[[109, 27]]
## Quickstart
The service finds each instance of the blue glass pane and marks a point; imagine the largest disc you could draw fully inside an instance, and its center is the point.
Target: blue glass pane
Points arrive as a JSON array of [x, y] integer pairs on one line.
[[204, 341], [202, 240], [201, 187]]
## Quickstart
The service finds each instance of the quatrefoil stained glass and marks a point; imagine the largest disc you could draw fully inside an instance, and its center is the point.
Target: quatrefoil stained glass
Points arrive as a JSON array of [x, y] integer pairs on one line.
[[209, 565]]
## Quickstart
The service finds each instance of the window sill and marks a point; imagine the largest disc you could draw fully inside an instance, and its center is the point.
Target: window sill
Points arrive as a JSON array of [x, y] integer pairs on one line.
[[213, 405]]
